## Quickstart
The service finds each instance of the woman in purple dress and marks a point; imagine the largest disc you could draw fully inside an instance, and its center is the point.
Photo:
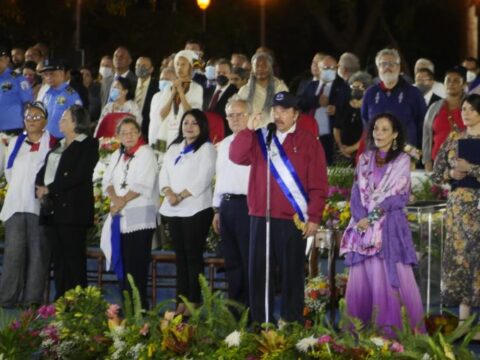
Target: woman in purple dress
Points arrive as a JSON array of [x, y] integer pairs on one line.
[[378, 243]]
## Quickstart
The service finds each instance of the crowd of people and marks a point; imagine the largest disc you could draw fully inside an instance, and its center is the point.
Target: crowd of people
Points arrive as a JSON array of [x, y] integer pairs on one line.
[[267, 148]]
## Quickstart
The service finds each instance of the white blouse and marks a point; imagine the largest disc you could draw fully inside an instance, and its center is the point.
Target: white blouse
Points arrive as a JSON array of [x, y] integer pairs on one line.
[[194, 172], [129, 106], [166, 129], [21, 178], [138, 174]]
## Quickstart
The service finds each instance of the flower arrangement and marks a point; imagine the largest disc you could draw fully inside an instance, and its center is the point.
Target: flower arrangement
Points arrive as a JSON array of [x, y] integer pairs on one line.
[[426, 190], [317, 294], [107, 146], [336, 214]]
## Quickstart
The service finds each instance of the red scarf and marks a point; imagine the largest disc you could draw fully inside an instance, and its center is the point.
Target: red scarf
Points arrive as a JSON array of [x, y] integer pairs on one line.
[[127, 154]]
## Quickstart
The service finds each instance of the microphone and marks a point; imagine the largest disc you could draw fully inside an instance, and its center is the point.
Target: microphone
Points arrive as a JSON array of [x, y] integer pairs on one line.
[[271, 128]]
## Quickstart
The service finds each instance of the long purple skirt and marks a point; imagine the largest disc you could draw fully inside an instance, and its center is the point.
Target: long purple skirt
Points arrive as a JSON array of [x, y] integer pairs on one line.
[[370, 293]]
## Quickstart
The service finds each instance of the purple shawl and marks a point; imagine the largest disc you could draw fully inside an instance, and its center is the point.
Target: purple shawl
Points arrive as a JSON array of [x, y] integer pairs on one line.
[[390, 236]]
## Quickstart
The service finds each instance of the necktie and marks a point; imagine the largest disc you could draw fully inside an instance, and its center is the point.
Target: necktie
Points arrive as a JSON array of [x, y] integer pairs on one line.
[[214, 101], [140, 95]]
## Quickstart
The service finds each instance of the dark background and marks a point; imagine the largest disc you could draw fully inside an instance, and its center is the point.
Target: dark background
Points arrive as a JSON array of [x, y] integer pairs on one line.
[[296, 29]]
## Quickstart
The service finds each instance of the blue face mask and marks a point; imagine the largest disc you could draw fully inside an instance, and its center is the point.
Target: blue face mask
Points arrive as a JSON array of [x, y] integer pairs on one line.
[[164, 84], [114, 94], [210, 72]]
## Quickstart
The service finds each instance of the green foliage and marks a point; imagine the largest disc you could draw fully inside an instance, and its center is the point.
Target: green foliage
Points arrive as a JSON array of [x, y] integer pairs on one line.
[[341, 176], [133, 310]]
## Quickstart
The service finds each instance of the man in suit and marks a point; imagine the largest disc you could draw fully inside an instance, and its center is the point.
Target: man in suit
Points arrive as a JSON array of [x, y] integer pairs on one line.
[[424, 80], [215, 98], [325, 99], [146, 88], [121, 66]]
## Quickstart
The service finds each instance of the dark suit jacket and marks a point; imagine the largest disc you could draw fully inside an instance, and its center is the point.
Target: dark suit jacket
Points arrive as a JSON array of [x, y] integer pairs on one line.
[[152, 90], [222, 102], [107, 84], [434, 98], [71, 192], [339, 96]]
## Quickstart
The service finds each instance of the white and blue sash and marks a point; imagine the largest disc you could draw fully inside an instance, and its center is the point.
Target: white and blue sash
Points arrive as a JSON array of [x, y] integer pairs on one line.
[[285, 175]]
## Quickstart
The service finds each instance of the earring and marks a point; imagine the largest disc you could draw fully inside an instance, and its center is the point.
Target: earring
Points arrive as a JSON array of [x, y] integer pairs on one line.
[[394, 145]]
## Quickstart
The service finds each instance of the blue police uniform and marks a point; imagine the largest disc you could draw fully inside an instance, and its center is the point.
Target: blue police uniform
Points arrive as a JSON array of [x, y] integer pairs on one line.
[[57, 100], [15, 92]]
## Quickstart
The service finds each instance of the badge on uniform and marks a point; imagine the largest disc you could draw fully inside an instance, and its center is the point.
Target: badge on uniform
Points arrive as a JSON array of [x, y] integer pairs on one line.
[[61, 100], [6, 86], [25, 85]]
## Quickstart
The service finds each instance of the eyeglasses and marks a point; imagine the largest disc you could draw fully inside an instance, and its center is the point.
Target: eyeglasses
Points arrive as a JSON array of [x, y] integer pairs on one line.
[[236, 115], [390, 64], [34, 117], [328, 67], [128, 133]]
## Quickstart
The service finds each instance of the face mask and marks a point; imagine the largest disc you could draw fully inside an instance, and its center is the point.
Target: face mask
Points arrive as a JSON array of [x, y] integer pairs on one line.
[[105, 71], [328, 75], [357, 94], [114, 94], [141, 72], [471, 76], [423, 88], [222, 80], [164, 84], [210, 72]]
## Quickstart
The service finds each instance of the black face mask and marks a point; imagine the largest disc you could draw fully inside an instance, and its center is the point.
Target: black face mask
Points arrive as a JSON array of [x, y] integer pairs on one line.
[[357, 94], [222, 80]]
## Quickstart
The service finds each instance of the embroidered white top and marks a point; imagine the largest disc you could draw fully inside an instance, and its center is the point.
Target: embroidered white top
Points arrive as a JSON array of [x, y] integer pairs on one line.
[[140, 173], [194, 172], [21, 178], [230, 178]]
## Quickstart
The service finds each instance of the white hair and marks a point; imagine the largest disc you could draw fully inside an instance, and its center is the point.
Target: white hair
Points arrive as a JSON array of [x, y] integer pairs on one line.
[[387, 52]]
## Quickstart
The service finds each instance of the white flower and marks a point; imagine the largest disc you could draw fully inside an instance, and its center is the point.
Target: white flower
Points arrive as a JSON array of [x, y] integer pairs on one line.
[[426, 357], [304, 344], [378, 341], [233, 339]]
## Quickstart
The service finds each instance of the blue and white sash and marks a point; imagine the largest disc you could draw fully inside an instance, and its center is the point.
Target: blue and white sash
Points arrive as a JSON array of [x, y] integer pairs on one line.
[[285, 175], [18, 144], [187, 149]]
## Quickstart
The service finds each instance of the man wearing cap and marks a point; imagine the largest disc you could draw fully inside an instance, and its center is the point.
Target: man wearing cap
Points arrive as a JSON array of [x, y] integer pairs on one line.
[[298, 188], [59, 97], [15, 91]]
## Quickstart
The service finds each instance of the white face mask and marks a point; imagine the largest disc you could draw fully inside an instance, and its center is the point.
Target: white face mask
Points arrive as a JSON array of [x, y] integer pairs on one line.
[[471, 76], [164, 84], [105, 71], [328, 75]]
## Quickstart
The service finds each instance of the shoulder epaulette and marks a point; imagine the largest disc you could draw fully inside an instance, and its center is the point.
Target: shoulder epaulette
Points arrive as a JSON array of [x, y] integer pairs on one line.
[[70, 90]]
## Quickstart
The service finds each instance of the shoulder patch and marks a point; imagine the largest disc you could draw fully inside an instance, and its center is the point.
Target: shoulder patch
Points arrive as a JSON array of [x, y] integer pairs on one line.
[[14, 74], [24, 85]]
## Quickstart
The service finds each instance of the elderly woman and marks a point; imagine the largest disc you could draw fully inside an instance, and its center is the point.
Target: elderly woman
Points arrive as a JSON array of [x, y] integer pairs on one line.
[[461, 253], [378, 242], [121, 104], [27, 254], [64, 187], [348, 125], [185, 180], [175, 100], [262, 86], [443, 116], [131, 184]]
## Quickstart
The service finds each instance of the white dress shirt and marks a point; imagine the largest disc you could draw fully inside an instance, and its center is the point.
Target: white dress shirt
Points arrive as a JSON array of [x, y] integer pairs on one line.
[[230, 177], [140, 175], [194, 172], [321, 116], [166, 129], [21, 178]]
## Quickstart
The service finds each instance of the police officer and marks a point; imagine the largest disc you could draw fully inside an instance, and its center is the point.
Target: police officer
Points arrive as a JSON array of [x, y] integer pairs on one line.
[[15, 91], [59, 97]]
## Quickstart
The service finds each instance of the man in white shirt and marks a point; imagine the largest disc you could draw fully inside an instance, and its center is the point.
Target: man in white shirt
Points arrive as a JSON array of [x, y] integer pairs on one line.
[[438, 88], [231, 218]]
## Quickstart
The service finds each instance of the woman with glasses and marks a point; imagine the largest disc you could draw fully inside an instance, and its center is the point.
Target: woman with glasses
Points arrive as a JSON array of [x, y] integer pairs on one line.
[[65, 189], [27, 254], [186, 181], [131, 184]]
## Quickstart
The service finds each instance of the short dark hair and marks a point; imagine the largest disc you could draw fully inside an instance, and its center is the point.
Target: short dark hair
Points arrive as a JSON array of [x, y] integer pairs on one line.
[[128, 120], [127, 85], [29, 64], [202, 121], [472, 59], [474, 100], [397, 127], [81, 118], [223, 61], [241, 72]]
